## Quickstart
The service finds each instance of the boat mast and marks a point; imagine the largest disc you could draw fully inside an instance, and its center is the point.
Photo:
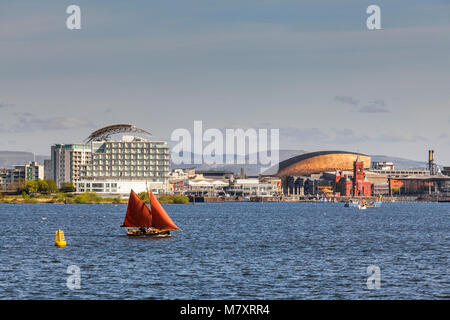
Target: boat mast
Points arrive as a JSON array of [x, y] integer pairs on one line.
[[148, 195]]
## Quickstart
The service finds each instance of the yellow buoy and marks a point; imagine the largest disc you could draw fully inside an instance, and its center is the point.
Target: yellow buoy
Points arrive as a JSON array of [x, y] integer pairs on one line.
[[60, 241]]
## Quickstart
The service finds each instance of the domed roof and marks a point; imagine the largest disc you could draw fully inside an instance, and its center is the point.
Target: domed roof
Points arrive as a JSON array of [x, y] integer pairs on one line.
[[320, 161]]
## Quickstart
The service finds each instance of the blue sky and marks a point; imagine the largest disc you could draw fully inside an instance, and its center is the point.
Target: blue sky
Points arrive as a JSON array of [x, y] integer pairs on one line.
[[310, 68]]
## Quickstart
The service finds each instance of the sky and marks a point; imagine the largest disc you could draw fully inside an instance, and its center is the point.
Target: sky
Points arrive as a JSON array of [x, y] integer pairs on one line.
[[311, 69]]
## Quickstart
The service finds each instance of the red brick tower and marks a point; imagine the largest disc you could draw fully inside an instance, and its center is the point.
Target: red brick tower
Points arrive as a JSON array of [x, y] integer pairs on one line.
[[360, 185]]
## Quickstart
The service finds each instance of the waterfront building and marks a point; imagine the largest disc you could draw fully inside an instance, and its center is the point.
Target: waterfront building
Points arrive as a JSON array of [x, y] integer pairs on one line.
[[48, 169], [3, 176], [433, 184], [273, 180], [180, 173], [319, 162], [177, 186], [19, 174], [206, 187], [250, 187], [383, 165], [66, 161], [117, 166], [380, 189], [446, 171], [361, 186], [401, 173], [216, 174], [343, 185], [303, 185], [29, 171], [294, 186], [358, 185]]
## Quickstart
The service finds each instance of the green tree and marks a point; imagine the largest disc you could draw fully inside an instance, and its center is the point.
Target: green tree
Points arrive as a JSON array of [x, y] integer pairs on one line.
[[181, 199], [67, 187], [143, 196], [52, 187], [30, 186], [87, 197], [42, 186]]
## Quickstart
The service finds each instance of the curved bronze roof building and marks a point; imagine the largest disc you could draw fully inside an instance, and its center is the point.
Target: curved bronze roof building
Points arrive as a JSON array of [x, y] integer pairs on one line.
[[321, 161]]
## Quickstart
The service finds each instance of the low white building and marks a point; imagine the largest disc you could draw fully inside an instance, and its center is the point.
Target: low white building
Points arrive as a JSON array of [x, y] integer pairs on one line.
[[119, 187], [206, 187], [251, 187], [180, 173]]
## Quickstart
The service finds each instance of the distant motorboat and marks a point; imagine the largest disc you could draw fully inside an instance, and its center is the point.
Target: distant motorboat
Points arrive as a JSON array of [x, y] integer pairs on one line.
[[350, 203], [245, 199]]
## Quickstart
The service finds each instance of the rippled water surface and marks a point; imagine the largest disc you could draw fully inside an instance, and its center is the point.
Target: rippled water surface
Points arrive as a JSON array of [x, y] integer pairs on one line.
[[229, 251]]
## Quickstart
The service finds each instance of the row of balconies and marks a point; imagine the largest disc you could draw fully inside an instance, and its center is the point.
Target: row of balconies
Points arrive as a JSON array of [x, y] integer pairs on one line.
[[136, 150], [126, 168], [128, 163], [131, 156], [118, 174]]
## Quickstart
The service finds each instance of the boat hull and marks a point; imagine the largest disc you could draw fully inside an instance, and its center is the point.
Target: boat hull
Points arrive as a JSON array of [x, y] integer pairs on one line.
[[140, 234]]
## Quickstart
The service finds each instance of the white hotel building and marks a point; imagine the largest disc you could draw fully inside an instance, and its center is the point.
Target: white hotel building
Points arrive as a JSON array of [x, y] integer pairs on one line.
[[117, 166]]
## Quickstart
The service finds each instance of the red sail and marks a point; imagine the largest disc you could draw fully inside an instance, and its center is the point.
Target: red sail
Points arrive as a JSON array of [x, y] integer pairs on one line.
[[161, 219], [138, 214]]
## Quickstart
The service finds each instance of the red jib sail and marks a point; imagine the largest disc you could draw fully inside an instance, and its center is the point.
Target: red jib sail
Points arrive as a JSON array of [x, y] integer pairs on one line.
[[161, 219], [138, 214]]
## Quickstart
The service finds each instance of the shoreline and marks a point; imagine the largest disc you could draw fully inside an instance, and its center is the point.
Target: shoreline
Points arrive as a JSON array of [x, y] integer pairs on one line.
[[52, 200]]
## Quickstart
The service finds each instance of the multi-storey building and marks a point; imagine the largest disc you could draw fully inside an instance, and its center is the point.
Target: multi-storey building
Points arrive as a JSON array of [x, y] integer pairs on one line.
[[3, 177], [66, 160], [116, 167], [29, 171], [383, 165], [19, 174], [48, 169]]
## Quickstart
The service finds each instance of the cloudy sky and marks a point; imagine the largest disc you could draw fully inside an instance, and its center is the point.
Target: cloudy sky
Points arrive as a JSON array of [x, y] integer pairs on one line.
[[310, 68]]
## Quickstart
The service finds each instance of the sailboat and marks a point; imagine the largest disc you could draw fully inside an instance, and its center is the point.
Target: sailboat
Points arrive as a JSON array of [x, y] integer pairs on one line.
[[144, 222]]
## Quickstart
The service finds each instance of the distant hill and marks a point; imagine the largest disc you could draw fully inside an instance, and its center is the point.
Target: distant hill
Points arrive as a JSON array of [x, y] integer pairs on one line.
[[253, 170], [10, 158], [249, 169]]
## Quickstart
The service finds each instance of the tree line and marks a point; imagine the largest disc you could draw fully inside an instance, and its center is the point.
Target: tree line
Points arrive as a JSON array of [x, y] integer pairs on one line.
[[44, 187]]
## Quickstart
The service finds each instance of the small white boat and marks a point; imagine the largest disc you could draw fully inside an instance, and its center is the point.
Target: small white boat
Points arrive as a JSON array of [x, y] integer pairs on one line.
[[362, 207]]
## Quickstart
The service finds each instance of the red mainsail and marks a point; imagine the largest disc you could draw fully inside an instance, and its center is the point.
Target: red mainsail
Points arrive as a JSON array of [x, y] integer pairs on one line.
[[161, 219], [138, 214]]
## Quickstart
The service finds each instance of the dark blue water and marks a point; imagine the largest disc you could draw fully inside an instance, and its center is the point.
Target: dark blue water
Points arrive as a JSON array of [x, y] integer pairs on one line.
[[229, 251]]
